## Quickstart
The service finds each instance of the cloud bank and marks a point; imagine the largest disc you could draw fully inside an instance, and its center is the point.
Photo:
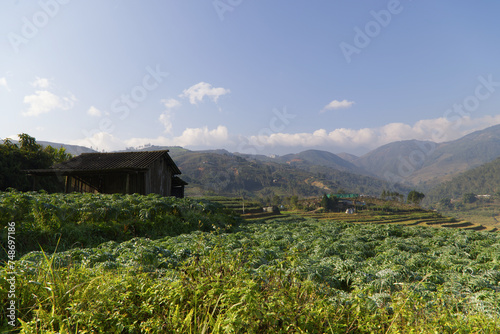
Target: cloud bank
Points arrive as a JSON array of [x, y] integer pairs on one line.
[[438, 130], [342, 139]]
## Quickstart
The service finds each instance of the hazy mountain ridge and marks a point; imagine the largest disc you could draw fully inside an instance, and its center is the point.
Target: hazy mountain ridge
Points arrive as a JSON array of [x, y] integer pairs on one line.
[[71, 149], [425, 163], [232, 174], [482, 180]]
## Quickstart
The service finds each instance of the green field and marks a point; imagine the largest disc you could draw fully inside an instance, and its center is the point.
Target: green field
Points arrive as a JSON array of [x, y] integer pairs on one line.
[[482, 212], [191, 266]]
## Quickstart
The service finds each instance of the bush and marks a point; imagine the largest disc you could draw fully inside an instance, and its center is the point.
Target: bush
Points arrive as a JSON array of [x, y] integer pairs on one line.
[[469, 198]]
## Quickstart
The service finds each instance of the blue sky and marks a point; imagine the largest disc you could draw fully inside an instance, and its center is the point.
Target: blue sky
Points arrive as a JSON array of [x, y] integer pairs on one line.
[[249, 76]]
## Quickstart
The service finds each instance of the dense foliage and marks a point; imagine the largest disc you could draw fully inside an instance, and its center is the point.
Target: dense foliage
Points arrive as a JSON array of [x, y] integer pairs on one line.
[[415, 197], [285, 275], [87, 220], [481, 180], [16, 158]]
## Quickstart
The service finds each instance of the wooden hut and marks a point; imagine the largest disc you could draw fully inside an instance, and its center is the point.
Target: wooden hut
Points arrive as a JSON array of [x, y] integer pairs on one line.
[[122, 172]]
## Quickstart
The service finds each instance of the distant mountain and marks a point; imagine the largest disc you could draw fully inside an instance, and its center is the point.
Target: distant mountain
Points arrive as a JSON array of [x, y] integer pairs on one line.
[[232, 174], [482, 180], [310, 160], [424, 163], [71, 149], [348, 157], [392, 161], [454, 157], [173, 150]]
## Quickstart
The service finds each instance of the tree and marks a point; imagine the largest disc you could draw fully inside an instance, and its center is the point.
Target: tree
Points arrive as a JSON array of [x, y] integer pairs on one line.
[[415, 197], [445, 203], [328, 203], [469, 198], [294, 201], [28, 154]]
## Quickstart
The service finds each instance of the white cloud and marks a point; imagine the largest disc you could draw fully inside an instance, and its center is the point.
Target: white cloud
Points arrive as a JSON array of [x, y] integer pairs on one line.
[[438, 130], [166, 117], [170, 103], [101, 141], [335, 104], [203, 137], [3, 83], [197, 92], [199, 137], [44, 101], [93, 111], [42, 83]]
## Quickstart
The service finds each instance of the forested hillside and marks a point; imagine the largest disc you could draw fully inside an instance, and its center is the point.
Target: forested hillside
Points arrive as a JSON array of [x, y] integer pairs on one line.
[[228, 174], [481, 180], [425, 163]]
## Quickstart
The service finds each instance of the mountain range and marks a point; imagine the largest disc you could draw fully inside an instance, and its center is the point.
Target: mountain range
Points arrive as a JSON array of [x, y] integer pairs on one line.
[[398, 166], [425, 163], [482, 180]]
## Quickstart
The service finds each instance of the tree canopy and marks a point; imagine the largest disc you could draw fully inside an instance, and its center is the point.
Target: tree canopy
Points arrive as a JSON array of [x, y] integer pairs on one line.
[[27, 154], [415, 197]]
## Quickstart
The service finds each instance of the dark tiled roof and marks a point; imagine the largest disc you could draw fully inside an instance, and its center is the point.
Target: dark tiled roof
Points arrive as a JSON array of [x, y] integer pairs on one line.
[[113, 161]]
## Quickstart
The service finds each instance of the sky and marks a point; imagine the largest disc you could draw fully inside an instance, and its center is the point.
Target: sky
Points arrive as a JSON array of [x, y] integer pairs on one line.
[[256, 77]]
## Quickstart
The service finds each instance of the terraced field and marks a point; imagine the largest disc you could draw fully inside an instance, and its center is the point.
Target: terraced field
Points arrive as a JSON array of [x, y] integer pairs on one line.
[[236, 204], [401, 214], [419, 218]]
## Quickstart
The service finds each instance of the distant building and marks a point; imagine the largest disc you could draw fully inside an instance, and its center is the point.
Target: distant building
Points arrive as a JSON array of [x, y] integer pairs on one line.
[[124, 172]]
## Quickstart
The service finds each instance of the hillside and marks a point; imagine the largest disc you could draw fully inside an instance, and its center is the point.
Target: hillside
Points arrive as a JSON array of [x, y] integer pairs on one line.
[[424, 163], [229, 174], [451, 158], [347, 156], [484, 179], [392, 159], [309, 160]]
